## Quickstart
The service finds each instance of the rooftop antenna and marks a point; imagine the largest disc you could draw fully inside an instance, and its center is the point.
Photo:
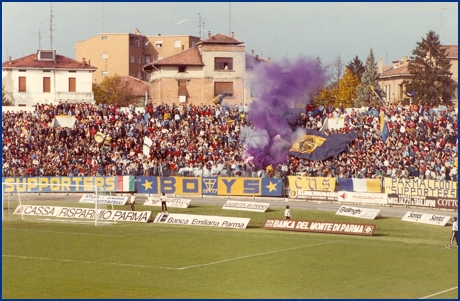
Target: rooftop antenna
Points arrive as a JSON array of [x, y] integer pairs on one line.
[[39, 39], [229, 18], [442, 8], [103, 17], [51, 27], [200, 30]]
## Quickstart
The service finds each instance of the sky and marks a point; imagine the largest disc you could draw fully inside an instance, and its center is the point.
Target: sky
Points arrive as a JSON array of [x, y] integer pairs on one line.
[[274, 30]]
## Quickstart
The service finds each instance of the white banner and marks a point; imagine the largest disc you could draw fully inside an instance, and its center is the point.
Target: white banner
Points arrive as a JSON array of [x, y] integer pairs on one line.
[[202, 220], [171, 202], [86, 213], [425, 218], [313, 195], [246, 206], [362, 197], [104, 199], [358, 212]]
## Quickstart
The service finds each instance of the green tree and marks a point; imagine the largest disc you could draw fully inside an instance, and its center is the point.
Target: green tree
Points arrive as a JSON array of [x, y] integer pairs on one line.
[[112, 90], [356, 67], [364, 94], [430, 68], [5, 100], [346, 91]]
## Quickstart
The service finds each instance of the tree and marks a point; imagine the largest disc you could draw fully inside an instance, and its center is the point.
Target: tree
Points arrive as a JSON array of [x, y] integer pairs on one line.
[[356, 67], [336, 70], [364, 93], [325, 96], [5, 100], [113, 90], [346, 91], [430, 68]]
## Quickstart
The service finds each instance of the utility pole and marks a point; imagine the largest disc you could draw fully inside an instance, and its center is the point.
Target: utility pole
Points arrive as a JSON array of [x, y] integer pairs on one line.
[[442, 8]]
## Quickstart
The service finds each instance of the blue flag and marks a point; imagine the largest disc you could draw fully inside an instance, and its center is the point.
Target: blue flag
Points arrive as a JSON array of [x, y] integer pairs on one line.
[[317, 146]]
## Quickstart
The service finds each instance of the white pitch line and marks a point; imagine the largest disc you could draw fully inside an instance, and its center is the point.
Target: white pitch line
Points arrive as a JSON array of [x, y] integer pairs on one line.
[[444, 291], [254, 255], [88, 261], [160, 267]]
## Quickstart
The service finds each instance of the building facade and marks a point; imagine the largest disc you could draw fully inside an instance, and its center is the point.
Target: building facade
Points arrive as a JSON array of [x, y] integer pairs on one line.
[[47, 77], [125, 54], [391, 78], [216, 65]]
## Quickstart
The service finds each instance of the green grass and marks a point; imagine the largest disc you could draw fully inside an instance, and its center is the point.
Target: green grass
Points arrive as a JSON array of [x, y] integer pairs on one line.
[[132, 260]]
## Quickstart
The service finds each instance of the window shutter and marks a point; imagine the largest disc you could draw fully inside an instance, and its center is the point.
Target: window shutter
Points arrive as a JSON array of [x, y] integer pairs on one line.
[[72, 84], [182, 88], [223, 88]]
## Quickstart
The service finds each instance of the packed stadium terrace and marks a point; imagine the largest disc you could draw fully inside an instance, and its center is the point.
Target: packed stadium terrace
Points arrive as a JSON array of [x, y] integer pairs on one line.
[[208, 140]]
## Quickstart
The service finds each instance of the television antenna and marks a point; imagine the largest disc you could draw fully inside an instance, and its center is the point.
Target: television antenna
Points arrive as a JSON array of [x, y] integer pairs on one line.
[[39, 39], [51, 27], [442, 8]]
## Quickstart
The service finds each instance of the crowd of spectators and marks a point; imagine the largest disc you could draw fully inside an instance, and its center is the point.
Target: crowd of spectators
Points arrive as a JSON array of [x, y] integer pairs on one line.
[[208, 140]]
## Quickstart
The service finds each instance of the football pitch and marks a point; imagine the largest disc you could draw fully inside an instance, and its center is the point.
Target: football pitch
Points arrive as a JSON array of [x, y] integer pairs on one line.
[[45, 259]]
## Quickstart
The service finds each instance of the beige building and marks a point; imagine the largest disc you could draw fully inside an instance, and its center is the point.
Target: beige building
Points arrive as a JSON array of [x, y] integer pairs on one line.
[[216, 65], [125, 54], [391, 77]]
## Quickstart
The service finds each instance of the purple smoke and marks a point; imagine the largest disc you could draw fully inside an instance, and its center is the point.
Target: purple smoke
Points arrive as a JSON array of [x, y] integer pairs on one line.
[[280, 86]]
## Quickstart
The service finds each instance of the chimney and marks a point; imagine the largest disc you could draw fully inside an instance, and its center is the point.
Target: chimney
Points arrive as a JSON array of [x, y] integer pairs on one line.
[[89, 62], [209, 34], [269, 58], [9, 60], [380, 65], [137, 32], [159, 34], [233, 34], [252, 52], [83, 60], [183, 47], [257, 57]]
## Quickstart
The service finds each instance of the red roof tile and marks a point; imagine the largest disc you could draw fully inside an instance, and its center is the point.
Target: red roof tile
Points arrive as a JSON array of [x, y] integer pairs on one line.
[[190, 57], [61, 62], [451, 50], [139, 87], [221, 39]]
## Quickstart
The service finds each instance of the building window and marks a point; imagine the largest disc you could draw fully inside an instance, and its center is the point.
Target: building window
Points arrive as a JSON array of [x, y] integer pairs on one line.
[[105, 72], [47, 84], [72, 84], [223, 63], [22, 70], [72, 71], [46, 70], [105, 55], [22, 84], [223, 88], [182, 69], [159, 44], [138, 59], [138, 43], [177, 44], [182, 90], [104, 38], [46, 55], [132, 58], [147, 59]]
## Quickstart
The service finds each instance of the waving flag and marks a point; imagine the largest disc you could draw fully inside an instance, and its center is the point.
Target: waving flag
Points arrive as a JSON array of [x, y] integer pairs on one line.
[[218, 99], [376, 91], [147, 145], [102, 138], [317, 146], [383, 128]]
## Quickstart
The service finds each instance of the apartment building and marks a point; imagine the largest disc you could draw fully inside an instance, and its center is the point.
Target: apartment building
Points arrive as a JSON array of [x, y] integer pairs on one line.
[[125, 54], [391, 77], [47, 77], [216, 65]]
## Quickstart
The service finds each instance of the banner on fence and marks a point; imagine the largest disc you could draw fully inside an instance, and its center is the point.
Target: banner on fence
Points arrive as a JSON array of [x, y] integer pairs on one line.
[[210, 186], [69, 184], [429, 188], [358, 212], [319, 226], [306, 183], [422, 201], [84, 213], [171, 202], [202, 220], [360, 185], [313, 195], [425, 218], [362, 197], [246, 206], [104, 199]]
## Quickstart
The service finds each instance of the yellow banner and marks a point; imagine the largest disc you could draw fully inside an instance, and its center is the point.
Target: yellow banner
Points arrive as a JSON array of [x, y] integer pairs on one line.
[[239, 186], [307, 183]]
